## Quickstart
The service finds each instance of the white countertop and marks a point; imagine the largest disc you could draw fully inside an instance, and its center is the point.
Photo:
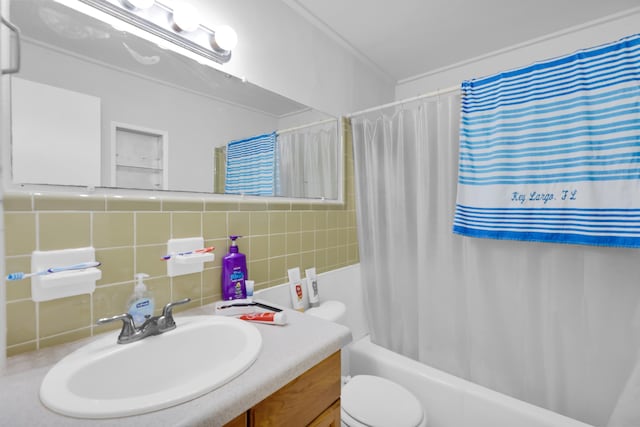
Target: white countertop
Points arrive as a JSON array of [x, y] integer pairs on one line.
[[287, 351]]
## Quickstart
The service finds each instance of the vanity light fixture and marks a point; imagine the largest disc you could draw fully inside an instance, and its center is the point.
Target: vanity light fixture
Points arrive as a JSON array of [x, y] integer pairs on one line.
[[139, 4], [185, 18], [179, 26], [225, 38]]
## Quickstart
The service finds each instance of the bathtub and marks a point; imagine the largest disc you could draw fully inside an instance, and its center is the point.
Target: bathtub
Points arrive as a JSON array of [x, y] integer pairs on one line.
[[449, 401]]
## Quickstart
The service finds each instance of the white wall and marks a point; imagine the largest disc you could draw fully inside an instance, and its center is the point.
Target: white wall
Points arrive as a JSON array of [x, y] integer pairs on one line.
[[280, 51], [598, 32], [301, 119]]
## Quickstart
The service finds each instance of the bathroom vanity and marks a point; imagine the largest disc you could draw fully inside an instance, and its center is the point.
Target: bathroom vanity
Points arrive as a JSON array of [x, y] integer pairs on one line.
[[312, 399], [294, 381]]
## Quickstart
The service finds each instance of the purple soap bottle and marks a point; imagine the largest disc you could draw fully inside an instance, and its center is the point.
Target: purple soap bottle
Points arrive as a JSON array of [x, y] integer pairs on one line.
[[234, 273]]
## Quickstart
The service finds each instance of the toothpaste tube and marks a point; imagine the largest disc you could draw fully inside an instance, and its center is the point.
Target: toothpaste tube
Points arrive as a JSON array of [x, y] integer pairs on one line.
[[279, 318]]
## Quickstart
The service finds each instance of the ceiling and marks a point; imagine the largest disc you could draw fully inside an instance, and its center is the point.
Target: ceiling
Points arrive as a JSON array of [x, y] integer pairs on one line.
[[406, 38]]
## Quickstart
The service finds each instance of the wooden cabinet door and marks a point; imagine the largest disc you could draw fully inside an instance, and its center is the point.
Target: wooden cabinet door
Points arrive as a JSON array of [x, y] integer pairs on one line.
[[239, 421], [302, 400], [329, 418]]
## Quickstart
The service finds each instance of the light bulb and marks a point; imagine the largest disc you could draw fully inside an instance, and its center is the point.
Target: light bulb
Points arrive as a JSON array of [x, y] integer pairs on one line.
[[225, 38], [140, 4], [185, 17]]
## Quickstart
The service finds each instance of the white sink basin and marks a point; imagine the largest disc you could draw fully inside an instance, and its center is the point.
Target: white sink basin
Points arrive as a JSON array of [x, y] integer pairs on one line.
[[104, 379]]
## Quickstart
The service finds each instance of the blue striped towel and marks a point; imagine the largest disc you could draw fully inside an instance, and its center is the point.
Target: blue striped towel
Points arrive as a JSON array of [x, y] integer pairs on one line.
[[251, 167], [550, 152]]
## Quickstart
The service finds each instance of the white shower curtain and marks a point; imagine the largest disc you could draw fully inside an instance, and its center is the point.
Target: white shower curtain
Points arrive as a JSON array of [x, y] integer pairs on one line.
[[549, 324], [308, 161]]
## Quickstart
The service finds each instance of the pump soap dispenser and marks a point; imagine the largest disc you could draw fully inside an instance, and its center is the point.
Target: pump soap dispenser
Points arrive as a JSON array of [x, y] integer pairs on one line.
[[234, 273], [140, 305]]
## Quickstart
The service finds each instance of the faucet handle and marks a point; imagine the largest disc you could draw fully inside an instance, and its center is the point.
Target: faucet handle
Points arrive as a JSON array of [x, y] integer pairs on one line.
[[167, 314], [128, 326]]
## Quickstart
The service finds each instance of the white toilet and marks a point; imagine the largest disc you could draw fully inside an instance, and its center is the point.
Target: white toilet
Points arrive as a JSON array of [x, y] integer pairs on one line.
[[371, 401]]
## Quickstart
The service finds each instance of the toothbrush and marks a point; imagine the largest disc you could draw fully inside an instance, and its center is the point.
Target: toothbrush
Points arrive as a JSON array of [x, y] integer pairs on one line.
[[251, 304], [197, 251], [81, 266]]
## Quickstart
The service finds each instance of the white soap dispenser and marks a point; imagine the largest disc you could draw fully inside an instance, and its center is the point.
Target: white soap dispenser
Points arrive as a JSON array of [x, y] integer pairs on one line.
[[140, 305]]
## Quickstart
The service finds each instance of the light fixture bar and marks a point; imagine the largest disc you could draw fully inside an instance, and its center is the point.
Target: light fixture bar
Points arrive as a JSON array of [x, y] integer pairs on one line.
[[158, 20]]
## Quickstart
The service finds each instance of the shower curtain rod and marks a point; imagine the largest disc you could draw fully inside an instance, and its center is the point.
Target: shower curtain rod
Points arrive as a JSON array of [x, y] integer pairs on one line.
[[321, 122], [404, 101]]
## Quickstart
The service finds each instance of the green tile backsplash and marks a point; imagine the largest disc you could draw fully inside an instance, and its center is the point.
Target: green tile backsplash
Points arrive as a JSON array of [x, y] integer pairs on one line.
[[127, 242], [130, 235]]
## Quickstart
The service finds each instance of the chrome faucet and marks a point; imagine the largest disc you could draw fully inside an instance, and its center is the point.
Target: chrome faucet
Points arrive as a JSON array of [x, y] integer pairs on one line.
[[153, 326]]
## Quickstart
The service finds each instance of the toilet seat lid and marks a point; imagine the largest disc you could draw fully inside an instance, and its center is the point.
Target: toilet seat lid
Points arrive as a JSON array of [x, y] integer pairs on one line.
[[378, 402]]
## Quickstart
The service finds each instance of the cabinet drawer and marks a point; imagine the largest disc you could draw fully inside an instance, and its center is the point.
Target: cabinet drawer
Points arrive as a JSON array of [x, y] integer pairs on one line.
[[303, 399]]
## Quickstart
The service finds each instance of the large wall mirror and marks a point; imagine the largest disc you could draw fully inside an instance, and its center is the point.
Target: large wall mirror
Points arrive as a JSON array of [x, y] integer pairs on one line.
[[95, 106]]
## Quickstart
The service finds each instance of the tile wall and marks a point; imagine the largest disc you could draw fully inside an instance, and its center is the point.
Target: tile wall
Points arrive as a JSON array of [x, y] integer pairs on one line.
[[130, 235]]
